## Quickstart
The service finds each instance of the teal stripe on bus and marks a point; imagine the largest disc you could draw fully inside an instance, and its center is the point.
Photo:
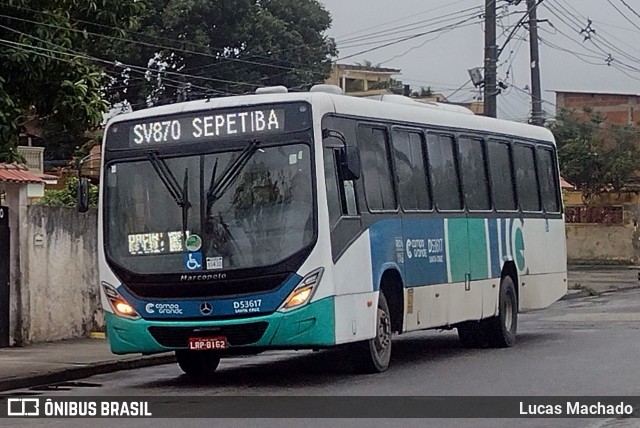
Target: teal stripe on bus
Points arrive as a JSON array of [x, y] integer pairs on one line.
[[478, 255], [458, 248]]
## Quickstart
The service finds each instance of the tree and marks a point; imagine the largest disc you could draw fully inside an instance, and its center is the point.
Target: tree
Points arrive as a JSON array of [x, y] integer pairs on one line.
[[368, 64], [187, 49], [595, 159], [45, 71], [65, 61], [426, 92]]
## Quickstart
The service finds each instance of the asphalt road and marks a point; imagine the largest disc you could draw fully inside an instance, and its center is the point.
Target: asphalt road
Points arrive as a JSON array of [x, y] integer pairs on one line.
[[581, 347]]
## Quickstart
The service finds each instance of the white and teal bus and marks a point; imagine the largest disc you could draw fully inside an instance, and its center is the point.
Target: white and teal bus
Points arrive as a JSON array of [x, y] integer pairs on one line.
[[312, 220]]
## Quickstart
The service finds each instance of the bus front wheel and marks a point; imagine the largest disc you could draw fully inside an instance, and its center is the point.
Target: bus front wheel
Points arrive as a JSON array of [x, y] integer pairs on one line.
[[198, 363], [374, 355], [500, 330]]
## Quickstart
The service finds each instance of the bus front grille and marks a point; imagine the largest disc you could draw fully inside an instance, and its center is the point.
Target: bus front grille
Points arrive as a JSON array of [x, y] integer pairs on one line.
[[237, 335]]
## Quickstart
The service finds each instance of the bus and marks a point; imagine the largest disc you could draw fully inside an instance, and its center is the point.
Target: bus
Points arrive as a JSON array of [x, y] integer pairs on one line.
[[291, 220]]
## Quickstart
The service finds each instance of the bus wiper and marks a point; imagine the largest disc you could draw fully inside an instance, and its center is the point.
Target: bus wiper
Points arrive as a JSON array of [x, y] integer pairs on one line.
[[231, 173], [179, 194]]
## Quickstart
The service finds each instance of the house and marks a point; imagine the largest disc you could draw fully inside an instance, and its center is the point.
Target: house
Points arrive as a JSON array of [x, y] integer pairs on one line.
[[363, 80], [617, 108], [18, 182]]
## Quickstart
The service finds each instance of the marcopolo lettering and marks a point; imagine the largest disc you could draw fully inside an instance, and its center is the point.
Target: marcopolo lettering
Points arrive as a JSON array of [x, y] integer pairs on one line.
[[203, 277]]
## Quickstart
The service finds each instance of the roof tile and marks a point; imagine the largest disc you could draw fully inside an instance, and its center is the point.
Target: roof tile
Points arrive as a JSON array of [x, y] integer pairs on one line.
[[16, 173]]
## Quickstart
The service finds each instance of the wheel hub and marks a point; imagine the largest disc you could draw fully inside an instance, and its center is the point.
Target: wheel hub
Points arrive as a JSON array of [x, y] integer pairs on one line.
[[383, 338]]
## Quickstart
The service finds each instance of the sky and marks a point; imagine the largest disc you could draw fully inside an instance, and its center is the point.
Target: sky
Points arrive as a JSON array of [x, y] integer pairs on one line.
[[585, 45]]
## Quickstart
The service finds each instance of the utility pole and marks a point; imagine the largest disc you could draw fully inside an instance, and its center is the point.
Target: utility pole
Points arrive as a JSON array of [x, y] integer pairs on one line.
[[536, 99], [490, 59]]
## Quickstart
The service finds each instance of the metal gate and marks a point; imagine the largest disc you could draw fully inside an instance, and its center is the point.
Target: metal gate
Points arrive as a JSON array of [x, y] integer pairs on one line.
[[4, 276]]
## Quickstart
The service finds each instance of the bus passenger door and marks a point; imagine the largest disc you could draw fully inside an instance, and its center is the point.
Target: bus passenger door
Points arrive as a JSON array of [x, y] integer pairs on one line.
[[470, 278], [465, 297], [344, 219], [345, 223]]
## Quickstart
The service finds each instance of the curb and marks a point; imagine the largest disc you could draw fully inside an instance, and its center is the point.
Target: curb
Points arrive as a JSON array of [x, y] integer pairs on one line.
[[577, 294], [590, 267], [88, 370]]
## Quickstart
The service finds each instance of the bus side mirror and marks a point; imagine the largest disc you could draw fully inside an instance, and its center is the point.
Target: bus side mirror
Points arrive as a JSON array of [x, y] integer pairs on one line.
[[83, 195]]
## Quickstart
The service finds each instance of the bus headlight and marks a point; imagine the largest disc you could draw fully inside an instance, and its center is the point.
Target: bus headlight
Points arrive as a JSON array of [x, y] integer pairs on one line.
[[120, 306], [304, 291]]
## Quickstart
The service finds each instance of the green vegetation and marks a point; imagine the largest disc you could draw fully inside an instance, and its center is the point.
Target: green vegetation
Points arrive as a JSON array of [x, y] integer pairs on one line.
[[65, 62], [67, 197], [594, 158], [45, 72]]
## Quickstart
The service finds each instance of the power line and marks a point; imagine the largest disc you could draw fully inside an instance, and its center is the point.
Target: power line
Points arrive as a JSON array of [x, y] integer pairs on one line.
[[597, 41], [418, 24], [133, 67], [459, 89], [414, 36], [153, 45], [630, 8], [402, 19], [220, 51], [623, 14]]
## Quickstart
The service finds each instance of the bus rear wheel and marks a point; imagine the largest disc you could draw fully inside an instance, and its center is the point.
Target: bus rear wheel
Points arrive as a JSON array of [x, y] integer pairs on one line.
[[500, 330], [198, 363], [374, 355]]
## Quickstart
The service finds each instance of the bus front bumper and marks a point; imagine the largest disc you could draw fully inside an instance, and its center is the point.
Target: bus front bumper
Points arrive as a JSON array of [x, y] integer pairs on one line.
[[313, 325]]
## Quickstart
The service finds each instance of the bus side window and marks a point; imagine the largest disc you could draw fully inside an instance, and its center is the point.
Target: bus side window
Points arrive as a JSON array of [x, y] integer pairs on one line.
[[526, 178], [502, 176], [375, 161], [474, 174], [444, 172], [548, 180], [410, 171], [341, 196]]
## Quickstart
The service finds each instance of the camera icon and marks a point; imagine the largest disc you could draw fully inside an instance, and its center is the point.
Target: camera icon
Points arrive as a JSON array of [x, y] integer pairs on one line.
[[23, 407]]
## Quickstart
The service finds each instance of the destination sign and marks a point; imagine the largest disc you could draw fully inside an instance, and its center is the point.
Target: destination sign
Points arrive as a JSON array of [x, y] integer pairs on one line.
[[204, 127]]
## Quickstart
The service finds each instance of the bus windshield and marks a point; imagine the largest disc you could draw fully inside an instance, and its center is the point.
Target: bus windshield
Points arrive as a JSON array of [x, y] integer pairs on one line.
[[230, 210]]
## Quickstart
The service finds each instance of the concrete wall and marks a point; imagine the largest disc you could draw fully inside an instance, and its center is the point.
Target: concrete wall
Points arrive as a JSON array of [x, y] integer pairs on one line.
[[605, 243], [58, 284], [16, 200], [595, 243]]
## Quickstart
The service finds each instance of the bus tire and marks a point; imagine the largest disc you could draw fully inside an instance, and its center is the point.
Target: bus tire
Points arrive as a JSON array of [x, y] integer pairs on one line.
[[471, 335], [500, 330], [374, 355], [198, 363]]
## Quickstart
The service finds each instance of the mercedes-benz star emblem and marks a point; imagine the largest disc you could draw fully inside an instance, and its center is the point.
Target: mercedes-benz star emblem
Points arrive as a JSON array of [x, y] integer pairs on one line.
[[205, 308]]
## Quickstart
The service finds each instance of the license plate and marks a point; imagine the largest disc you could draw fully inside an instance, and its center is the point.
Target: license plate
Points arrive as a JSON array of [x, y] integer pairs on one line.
[[207, 343]]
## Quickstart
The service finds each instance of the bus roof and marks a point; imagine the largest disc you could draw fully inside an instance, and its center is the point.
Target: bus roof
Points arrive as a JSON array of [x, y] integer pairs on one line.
[[354, 106]]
